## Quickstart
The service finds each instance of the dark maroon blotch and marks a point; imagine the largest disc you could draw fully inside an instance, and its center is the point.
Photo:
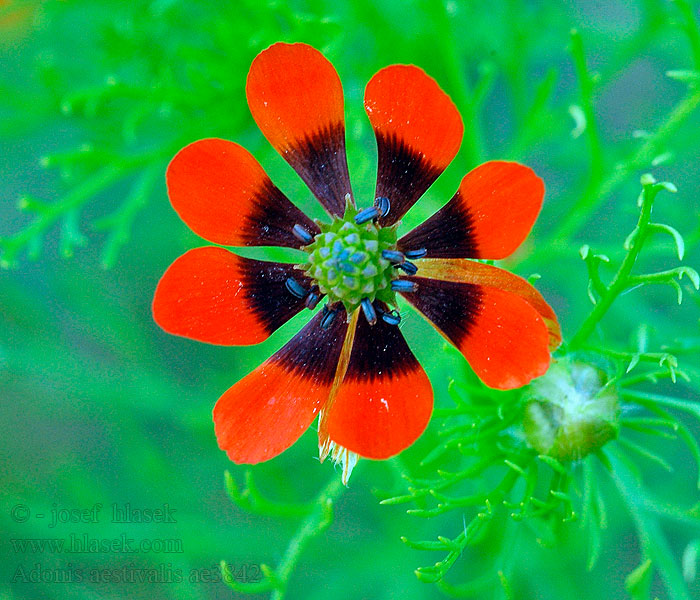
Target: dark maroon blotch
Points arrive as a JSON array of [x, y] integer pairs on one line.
[[403, 175], [313, 353], [265, 285], [320, 160], [379, 351], [449, 233], [272, 219], [452, 307]]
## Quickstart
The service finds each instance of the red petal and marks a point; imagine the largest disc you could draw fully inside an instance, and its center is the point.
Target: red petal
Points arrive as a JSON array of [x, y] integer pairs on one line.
[[212, 295], [385, 400], [223, 194], [508, 344], [296, 98], [489, 216], [266, 411], [418, 130], [502, 336], [469, 271]]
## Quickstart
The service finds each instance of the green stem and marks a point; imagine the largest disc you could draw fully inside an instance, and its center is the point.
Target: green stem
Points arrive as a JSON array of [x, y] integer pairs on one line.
[[494, 499], [313, 525], [317, 521], [620, 281], [120, 222], [586, 83], [51, 213], [653, 542], [654, 357]]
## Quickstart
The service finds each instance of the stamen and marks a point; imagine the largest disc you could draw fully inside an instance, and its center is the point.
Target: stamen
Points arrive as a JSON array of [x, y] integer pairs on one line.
[[392, 317], [302, 235], [409, 268], [403, 285], [366, 214], [393, 256], [383, 205], [312, 298], [295, 288], [329, 316], [412, 254], [370, 313]]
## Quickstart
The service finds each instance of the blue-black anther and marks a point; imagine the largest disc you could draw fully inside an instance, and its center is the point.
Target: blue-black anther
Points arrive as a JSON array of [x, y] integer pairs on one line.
[[312, 298], [392, 318], [302, 235], [295, 288], [412, 254], [393, 256], [408, 267], [329, 316], [368, 309], [366, 214], [403, 285], [383, 205]]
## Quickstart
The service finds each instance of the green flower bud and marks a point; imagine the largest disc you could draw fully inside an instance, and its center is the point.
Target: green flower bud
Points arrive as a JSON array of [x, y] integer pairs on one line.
[[571, 412]]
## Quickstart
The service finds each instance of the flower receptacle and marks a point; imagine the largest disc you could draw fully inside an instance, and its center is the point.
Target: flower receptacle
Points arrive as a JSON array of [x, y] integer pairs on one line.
[[346, 261]]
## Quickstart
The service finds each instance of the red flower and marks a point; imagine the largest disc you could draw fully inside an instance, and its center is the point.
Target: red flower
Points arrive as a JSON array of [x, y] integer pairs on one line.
[[373, 397]]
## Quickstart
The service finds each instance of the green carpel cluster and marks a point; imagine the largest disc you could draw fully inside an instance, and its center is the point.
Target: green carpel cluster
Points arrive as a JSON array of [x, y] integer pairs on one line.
[[346, 261]]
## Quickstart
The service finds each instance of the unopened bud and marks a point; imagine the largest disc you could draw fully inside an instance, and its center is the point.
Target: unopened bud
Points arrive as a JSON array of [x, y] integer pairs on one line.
[[571, 411]]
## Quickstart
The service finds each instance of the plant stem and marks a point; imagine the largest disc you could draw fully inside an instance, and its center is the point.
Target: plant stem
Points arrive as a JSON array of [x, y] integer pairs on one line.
[[620, 281], [316, 523], [12, 245], [587, 85]]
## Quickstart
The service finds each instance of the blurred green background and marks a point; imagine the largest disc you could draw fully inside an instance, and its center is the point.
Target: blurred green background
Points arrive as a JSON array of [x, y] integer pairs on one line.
[[99, 406]]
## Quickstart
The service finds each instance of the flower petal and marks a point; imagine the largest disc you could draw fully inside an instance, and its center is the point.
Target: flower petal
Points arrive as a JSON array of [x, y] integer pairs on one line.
[[385, 401], [223, 194], [489, 216], [469, 271], [296, 98], [266, 411], [502, 336], [418, 130], [212, 295]]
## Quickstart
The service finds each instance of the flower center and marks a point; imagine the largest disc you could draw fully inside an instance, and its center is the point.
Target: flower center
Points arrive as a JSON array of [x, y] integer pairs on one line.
[[354, 261], [346, 261]]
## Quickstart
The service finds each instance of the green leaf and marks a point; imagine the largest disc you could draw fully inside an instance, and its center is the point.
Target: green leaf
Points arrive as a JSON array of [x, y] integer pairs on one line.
[[638, 582], [579, 118], [633, 362], [259, 587], [684, 75], [677, 237], [648, 454]]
